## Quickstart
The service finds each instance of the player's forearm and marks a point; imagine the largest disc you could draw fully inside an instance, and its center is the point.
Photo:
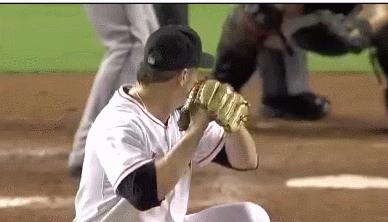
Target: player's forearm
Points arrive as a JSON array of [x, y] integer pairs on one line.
[[173, 166], [241, 150]]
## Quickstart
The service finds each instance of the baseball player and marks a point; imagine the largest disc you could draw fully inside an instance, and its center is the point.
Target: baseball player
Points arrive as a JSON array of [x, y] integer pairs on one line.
[[123, 29], [139, 155], [273, 39]]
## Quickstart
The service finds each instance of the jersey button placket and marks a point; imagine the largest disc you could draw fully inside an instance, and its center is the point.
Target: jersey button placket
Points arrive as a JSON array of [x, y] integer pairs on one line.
[[167, 135], [166, 138]]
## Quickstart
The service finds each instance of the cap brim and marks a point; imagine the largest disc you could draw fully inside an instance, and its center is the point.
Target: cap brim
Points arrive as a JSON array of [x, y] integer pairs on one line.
[[206, 61]]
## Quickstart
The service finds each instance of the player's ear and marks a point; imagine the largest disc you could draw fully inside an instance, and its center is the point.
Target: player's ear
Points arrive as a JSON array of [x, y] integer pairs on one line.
[[183, 77]]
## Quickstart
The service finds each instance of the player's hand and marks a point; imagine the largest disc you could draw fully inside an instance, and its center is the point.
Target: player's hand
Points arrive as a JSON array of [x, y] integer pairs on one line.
[[200, 118]]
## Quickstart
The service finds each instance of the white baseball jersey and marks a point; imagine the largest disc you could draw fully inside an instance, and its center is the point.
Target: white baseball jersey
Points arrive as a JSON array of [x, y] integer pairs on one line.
[[124, 137]]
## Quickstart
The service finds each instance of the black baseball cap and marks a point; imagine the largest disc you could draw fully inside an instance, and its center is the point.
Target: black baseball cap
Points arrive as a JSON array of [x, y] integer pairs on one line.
[[175, 47]]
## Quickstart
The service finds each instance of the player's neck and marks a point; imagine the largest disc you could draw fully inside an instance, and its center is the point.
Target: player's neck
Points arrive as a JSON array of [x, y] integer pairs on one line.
[[157, 101]]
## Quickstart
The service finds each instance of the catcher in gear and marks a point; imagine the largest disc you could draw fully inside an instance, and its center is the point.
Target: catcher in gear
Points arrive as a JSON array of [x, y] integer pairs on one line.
[[141, 160], [273, 39]]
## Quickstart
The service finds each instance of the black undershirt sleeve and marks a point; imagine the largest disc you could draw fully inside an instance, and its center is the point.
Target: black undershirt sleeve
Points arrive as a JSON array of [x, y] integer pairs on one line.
[[140, 187], [222, 159]]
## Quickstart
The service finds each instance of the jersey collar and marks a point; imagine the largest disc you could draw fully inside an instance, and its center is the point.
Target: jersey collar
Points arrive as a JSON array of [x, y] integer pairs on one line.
[[130, 98]]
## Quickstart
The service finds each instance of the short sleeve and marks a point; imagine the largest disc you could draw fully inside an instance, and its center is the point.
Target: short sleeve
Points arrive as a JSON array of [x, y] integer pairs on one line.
[[122, 151], [210, 144]]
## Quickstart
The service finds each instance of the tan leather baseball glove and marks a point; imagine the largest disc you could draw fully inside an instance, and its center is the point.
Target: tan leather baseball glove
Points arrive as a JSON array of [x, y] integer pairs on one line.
[[229, 109]]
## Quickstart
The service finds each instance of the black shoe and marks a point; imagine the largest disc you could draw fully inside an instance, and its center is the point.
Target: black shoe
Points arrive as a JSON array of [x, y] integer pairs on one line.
[[304, 106]]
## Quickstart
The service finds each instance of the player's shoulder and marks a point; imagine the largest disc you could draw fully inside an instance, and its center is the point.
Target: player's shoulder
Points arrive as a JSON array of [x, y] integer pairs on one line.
[[110, 118], [113, 123]]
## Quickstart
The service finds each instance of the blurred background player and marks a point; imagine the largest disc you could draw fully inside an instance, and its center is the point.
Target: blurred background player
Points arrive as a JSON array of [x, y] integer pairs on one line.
[[169, 14], [273, 39], [123, 30]]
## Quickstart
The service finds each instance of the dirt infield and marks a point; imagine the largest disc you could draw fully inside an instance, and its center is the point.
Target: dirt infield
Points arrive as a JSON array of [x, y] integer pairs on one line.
[[39, 114]]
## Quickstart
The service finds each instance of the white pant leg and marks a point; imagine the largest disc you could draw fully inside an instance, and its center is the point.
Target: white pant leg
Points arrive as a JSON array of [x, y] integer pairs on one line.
[[145, 24], [123, 29], [272, 71], [297, 74], [235, 212], [287, 73]]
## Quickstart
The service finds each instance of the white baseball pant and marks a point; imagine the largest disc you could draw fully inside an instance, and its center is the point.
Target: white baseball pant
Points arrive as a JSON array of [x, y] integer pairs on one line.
[[234, 212]]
